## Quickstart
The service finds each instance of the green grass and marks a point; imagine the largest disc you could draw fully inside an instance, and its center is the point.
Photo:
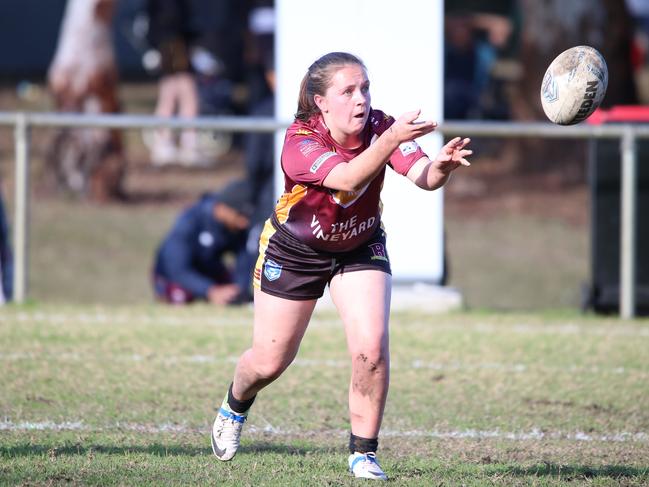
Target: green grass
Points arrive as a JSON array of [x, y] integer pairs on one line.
[[518, 262], [125, 396], [83, 253]]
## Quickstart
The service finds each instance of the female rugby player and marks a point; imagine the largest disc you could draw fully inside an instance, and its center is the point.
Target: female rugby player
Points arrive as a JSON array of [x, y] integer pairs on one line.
[[326, 229]]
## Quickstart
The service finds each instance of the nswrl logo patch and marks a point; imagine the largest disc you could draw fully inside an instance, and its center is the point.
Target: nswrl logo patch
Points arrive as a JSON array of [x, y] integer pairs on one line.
[[272, 270]]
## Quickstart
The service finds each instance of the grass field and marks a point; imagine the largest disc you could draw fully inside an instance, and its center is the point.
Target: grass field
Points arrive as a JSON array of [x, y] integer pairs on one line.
[[126, 396], [101, 387]]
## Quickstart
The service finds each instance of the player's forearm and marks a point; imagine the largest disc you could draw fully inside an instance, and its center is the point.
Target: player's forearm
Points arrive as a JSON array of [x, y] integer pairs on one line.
[[358, 172], [428, 174], [436, 177]]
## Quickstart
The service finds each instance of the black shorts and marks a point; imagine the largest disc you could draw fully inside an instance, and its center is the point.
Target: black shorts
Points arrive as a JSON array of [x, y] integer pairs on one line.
[[289, 269]]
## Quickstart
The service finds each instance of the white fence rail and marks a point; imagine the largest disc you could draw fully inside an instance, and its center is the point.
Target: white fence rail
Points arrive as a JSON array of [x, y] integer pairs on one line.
[[626, 133]]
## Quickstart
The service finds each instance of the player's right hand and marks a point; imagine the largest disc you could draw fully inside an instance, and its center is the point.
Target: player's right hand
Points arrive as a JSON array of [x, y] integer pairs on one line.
[[407, 127]]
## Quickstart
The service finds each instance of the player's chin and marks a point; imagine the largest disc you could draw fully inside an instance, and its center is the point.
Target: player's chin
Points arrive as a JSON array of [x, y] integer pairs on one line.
[[357, 125]]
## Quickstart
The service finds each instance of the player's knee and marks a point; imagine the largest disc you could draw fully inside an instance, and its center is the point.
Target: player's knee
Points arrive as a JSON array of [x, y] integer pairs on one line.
[[370, 350], [371, 360]]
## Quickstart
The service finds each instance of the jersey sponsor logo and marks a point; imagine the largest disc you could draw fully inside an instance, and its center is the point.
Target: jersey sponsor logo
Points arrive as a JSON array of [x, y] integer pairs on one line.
[[307, 146], [272, 270], [320, 161], [378, 251], [340, 231], [409, 147], [303, 132], [348, 198]]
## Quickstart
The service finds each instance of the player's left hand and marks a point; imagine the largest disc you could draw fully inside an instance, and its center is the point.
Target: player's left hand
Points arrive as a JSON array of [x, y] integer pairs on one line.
[[453, 154]]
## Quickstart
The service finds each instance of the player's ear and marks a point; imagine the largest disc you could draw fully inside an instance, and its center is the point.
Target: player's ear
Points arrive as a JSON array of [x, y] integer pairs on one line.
[[321, 103]]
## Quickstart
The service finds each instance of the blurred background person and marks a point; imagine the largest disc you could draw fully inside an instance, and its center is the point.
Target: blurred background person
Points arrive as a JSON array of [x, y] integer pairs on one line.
[[6, 258], [170, 35], [476, 34], [639, 11], [259, 146], [206, 256], [192, 48], [83, 77]]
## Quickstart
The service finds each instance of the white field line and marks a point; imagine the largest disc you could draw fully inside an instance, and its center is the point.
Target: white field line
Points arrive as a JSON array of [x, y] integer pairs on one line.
[[435, 323], [111, 319], [535, 434], [415, 364]]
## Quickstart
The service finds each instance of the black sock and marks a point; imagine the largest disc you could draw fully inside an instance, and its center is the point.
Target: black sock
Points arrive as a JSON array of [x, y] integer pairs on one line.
[[237, 406], [362, 445]]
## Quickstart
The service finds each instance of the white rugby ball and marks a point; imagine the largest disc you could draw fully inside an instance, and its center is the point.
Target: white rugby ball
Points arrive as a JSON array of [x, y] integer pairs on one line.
[[574, 85]]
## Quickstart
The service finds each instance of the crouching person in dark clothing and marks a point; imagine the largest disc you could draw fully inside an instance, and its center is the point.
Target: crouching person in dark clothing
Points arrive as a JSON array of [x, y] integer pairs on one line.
[[206, 256]]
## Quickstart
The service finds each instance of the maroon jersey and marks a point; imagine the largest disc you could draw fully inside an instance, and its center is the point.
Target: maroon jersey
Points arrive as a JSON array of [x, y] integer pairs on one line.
[[323, 218]]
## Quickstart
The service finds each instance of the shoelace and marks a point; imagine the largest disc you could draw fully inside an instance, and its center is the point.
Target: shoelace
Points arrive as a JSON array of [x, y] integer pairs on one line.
[[366, 458], [228, 418]]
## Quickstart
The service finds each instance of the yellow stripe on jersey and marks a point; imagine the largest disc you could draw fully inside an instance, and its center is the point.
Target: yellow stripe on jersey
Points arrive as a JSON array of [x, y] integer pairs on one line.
[[287, 201], [266, 234]]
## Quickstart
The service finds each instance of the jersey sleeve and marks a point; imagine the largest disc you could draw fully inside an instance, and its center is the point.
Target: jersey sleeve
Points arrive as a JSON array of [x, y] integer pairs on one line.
[[306, 158], [406, 154]]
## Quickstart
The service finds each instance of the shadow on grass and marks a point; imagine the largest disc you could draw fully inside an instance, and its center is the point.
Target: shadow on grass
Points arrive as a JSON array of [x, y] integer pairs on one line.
[[566, 473], [288, 449], [576, 471], [155, 449]]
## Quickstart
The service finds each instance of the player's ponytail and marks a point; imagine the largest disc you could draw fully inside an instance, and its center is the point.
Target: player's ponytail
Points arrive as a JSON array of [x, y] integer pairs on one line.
[[318, 78], [306, 106]]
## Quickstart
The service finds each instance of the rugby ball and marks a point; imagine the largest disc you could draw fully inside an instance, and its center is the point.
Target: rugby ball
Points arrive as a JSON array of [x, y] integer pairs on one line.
[[574, 85]]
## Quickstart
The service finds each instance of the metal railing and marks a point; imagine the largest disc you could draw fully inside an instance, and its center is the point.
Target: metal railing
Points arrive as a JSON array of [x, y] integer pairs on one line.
[[626, 133]]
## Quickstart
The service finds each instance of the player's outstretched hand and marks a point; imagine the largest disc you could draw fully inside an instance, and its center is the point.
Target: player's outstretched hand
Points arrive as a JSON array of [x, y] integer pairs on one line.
[[453, 154], [407, 128]]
